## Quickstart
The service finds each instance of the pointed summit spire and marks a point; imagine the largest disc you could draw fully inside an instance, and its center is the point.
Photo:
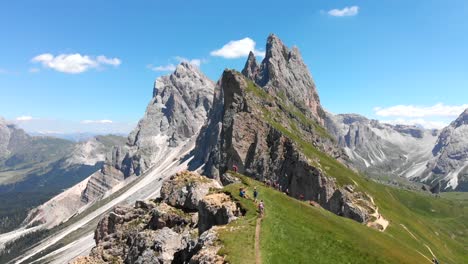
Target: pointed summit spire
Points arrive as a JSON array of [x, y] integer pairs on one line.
[[251, 67], [462, 119], [283, 71]]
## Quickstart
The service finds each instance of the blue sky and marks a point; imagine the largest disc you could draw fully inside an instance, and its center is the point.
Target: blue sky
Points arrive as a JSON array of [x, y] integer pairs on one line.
[[390, 60]]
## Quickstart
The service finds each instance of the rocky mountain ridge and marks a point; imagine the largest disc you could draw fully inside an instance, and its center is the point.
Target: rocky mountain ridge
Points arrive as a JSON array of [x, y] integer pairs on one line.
[[33, 169], [176, 113], [284, 73], [178, 228], [435, 158], [448, 168], [254, 136]]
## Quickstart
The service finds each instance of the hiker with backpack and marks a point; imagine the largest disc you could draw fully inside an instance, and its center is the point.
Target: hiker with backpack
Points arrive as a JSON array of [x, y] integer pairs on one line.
[[261, 208], [255, 194]]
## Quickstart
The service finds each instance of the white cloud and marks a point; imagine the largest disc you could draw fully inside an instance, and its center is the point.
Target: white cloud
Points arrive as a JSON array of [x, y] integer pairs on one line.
[[74, 63], [164, 68], [58, 126], [110, 61], [347, 11], [24, 118], [428, 124], [196, 62], [237, 49], [103, 121], [439, 110], [171, 66]]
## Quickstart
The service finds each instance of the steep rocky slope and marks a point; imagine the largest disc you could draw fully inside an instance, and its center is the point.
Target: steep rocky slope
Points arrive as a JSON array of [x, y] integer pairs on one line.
[[36, 184], [283, 72], [255, 136], [20, 152], [178, 228], [176, 113], [436, 158], [448, 169], [156, 149], [379, 149], [35, 168]]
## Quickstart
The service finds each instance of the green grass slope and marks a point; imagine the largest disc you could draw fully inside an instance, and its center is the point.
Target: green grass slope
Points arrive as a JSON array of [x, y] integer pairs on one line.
[[295, 232]]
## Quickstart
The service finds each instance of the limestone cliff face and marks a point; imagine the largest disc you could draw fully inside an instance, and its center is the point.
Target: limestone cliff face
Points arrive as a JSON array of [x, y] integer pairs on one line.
[[175, 114], [436, 158], [283, 72], [377, 148], [254, 133], [449, 164], [4, 138]]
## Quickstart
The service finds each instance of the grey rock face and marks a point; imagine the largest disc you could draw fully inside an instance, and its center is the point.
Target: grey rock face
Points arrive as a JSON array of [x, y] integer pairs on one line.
[[421, 155], [209, 249], [229, 178], [283, 72], [215, 209], [4, 138], [175, 114], [165, 215], [262, 151], [449, 164], [377, 148], [347, 203], [155, 232], [158, 246], [186, 189]]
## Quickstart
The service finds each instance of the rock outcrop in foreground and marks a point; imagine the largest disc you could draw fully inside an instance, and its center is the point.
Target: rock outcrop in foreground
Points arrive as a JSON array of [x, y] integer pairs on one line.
[[180, 227]]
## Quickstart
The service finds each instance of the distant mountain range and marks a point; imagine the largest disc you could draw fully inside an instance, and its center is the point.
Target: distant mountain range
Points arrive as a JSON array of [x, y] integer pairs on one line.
[[75, 137], [35, 168], [436, 158]]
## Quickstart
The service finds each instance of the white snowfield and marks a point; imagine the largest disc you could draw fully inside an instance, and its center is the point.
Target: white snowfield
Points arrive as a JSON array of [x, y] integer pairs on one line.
[[147, 187]]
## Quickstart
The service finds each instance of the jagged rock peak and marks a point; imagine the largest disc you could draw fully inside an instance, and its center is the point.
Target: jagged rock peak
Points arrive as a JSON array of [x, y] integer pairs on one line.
[[283, 72], [251, 67], [462, 119]]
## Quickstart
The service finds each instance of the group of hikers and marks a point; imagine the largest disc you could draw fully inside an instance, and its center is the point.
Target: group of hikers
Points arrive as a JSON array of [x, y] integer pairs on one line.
[[261, 205]]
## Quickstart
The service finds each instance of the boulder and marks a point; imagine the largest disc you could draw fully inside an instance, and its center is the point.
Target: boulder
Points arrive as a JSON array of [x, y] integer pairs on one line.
[[216, 209], [229, 178], [168, 216], [185, 189], [208, 253], [157, 246]]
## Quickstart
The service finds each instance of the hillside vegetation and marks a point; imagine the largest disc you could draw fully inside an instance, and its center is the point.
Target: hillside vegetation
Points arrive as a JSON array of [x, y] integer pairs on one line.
[[296, 232]]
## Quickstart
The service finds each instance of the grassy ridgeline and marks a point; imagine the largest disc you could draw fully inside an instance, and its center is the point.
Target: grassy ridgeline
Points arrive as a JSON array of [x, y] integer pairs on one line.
[[295, 232]]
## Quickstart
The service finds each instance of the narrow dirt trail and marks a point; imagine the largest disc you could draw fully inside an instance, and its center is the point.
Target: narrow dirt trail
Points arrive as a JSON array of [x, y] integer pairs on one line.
[[258, 257], [419, 241]]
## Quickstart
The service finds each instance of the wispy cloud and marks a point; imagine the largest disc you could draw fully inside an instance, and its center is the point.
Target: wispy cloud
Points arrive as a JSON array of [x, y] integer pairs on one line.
[[428, 124], [55, 126], [237, 49], [347, 11], [171, 66], [162, 68], [103, 121], [74, 63], [439, 110], [24, 118], [34, 70], [196, 62]]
